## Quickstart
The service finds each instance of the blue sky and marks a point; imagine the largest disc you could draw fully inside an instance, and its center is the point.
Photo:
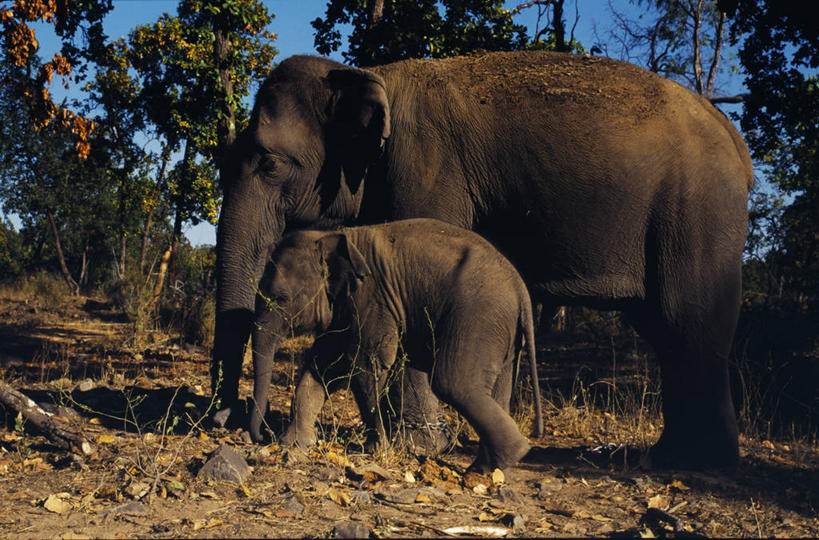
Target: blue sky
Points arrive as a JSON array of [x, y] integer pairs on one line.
[[295, 36]]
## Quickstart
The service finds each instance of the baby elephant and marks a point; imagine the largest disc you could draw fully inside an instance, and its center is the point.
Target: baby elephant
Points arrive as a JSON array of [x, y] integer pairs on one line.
[[440, 295]]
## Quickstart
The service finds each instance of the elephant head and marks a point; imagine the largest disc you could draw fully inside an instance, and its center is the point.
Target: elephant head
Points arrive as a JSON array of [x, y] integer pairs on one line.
[[316, 127], [308, 276]]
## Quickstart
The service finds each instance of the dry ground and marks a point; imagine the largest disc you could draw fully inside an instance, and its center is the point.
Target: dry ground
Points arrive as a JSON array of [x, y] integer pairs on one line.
[[582, 479]]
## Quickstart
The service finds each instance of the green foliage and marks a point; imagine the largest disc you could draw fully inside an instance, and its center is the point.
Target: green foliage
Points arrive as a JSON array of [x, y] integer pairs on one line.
[[780, 55], [12, 253], [410, 29]]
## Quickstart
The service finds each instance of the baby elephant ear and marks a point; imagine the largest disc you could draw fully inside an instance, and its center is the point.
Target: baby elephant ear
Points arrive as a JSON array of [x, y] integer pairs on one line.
[[343, 256]]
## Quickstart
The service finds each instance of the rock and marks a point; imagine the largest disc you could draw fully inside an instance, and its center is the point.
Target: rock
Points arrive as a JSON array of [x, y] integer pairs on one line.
[[292, 504], [400, 496], [225, 463], [371, 472], [514, 521], [86, 385], [507, 495], [137, 490], [351, 530], [245, 436], [221, 417], [361, 497], [132, 508]]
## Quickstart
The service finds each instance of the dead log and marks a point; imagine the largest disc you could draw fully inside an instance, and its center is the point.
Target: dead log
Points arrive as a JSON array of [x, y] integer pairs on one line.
[[60, 435]]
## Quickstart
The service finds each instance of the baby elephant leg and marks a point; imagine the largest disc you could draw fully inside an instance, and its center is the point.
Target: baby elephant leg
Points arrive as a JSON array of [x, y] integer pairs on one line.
[[501, 443], [307, 403]]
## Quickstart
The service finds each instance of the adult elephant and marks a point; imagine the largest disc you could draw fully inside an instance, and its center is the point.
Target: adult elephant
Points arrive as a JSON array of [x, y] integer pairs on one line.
[[606, 186]]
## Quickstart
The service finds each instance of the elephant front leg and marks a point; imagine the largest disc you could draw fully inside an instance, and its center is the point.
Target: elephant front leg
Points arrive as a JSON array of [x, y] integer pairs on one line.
[[307, 403], [369, 382]]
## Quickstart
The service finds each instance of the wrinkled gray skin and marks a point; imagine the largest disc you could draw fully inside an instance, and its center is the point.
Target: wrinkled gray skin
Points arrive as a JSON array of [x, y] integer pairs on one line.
[[441, 294], [604, 184]]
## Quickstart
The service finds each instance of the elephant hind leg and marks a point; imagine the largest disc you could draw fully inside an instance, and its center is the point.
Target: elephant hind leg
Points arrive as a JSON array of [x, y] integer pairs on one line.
[[691, 325], [487, 410]]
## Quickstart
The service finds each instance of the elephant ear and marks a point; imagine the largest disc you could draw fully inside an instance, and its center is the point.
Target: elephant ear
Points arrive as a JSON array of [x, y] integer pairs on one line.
[[359, 121], [346, 265]]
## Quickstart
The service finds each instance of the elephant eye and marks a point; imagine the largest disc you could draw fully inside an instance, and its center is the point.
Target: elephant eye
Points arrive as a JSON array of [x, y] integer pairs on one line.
[[267, 164]]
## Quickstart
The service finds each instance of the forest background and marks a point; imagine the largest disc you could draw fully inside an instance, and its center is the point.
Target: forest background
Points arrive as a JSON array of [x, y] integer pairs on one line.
[[111, 144]]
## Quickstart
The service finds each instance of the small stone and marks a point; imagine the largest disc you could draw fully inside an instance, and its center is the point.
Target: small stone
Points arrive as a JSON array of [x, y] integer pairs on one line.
[[361, 497], [225, 463], [401, 496], [132, 508], [514, 521], [245, 436], [371, 472], [137, 490], [86, 385], [221, 417], [292, 504], [506, 494], [351, 530]]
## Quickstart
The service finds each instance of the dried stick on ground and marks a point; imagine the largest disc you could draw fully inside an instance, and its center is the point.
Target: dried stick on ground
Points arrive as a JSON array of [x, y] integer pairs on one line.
[[56, 433]]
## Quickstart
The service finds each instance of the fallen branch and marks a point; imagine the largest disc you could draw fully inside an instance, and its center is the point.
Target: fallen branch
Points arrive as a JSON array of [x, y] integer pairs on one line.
[[60, 435]]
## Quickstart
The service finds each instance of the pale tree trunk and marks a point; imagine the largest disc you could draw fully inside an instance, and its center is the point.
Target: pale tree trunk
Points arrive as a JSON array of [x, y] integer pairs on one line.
[[376, 11], [696, 15], [72, 285], [712, 72], [146, 231], [226, 123]]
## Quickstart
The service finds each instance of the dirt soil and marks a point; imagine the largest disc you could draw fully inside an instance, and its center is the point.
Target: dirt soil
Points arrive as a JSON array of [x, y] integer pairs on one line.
[[139, 408]]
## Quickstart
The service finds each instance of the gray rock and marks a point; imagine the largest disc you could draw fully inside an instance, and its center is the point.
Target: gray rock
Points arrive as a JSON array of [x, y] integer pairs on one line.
[[225, 463], [351, 530], [132, 508], [86, 385], [514, 521], [293, 505], [507, 495], [400, 496], [361, 496], [221, 417]]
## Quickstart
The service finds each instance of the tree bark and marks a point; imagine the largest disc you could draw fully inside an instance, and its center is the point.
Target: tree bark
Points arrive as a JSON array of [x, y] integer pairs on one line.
[[226, 124], [146, 231], [696, 14], [72, 285], [60, 435], [712, 72], [376, 11]]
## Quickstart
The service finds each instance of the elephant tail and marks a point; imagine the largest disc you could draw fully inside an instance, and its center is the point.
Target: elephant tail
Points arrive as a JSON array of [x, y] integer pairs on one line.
[[528, 327]]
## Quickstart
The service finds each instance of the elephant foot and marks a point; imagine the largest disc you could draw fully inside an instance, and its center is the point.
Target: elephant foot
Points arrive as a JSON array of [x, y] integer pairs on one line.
[[695, 451], [487, 460], [292, 438], [427, 439]]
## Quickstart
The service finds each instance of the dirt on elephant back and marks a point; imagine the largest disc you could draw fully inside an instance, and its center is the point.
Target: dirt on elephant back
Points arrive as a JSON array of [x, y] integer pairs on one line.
[[139, 409], [506, 79]]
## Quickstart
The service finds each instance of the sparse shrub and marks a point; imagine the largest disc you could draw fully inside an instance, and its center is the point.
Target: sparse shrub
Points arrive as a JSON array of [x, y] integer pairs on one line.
[[199, 321], [48, 289]]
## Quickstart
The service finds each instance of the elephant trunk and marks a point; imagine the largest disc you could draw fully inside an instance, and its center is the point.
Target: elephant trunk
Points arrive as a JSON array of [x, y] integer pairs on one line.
[[240, 264], [265, 344]]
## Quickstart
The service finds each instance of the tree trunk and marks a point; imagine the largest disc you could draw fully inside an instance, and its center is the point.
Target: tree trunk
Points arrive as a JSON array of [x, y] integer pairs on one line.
[[696, 15], [712, 72], [226, 123], [164, 262], [376, 11], [72, 285], [559, 26], [60, 435], [146, 231]]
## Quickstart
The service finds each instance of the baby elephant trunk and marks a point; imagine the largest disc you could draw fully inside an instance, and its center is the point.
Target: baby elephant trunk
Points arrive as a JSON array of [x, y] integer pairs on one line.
[[265, 345]]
